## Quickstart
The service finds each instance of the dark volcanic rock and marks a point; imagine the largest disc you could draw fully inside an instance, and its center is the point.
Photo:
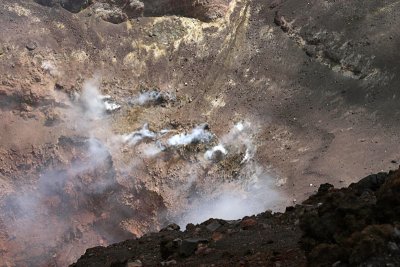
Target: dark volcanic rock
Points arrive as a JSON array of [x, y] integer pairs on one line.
[[388, 200], [74, 6], [169, 247], [355, 225], [189, 246], [171, 227], [31, 46], [372, 182]]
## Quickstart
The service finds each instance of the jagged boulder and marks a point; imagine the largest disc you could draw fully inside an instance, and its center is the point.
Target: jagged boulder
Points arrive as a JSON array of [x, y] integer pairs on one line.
[[134, 8], [75, 5]]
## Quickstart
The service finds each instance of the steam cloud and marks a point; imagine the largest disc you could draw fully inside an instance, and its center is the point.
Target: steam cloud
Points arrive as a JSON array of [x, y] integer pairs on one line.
[[137, 136], [95, 103], [252, 193], [199, 134], [215, 151], [152, 98], [44, 216], [49, 67], [201, 195]]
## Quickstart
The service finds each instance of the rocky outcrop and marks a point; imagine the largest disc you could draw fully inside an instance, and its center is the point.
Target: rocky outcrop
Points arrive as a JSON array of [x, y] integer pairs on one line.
[[355, 226], [262, 240]]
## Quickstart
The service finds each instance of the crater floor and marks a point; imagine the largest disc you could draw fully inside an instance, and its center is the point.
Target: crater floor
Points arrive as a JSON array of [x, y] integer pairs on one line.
[[117, 121]]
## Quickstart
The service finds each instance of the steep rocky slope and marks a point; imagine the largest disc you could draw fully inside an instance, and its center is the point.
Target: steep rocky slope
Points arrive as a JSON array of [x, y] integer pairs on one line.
[[119, 117]]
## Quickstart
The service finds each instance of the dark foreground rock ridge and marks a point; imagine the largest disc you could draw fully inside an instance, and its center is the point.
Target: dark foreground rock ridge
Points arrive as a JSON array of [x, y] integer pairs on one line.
[[353, 226]]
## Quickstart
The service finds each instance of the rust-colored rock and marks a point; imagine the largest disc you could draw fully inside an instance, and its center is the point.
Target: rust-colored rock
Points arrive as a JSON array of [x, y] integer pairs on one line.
[[248, 223]]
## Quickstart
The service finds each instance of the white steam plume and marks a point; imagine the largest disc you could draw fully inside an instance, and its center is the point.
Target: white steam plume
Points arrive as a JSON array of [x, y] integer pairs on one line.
[[238, 137], [199, 134], [42, 216], [109, 104], [215, 151], [252, 191], [245, 196], [94, 103], [137, 136], [91, 99], [189, 183], [152, 97]]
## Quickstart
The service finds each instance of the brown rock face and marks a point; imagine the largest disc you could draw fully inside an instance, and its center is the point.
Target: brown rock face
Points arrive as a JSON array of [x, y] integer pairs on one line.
[[248, 223]]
